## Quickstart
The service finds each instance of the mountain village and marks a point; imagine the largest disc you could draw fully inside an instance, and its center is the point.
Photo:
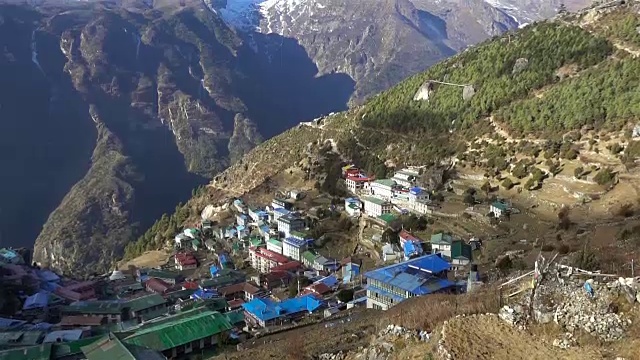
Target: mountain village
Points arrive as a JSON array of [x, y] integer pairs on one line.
[[262, 271]]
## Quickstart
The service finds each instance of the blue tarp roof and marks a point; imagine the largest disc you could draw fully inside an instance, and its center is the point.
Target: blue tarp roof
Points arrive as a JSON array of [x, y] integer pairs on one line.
[[412, 274], [282, 211], [267, 309], [240, 228], [330, 281], [204, 294], [264, 228], [48, 275], [415, 190], [37, 300], [410, 249], [213, 270]]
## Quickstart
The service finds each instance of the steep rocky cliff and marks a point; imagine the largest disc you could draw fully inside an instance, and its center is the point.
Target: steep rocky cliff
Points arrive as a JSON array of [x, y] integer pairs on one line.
[[114, 114]]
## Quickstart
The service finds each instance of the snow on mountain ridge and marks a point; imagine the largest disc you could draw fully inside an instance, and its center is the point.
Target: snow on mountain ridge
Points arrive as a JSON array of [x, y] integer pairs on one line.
[[263, 15]]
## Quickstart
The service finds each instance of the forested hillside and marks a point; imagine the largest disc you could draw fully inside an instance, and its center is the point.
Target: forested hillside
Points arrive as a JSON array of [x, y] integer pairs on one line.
[[501, 71]]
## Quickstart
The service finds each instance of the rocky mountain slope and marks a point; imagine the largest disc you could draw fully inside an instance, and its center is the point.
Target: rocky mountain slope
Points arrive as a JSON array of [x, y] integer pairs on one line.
[[120, 108], [380, 43], [548, 108], [116, 111]]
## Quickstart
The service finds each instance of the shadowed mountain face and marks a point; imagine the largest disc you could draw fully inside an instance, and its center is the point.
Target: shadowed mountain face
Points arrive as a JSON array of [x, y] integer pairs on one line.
[[110, 117]]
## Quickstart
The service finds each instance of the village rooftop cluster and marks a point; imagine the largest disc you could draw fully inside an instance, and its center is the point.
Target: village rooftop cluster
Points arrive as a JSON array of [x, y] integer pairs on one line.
[[264, 272]]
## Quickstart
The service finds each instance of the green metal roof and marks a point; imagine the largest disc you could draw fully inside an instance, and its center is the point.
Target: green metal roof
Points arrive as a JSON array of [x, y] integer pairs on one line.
[[175, 333], [235, 317], [375, 200], [61, 350], [275, 242], [388, 218], [20, 338], [145, 302], [224, 278], [95, 307], [499, 205], [38, 352], [114, 307], [179, 294], [255, 241], [461, 249], [108, 347], [385, 182], [299, 234], [309, 256], [163, 274], [441, 239]]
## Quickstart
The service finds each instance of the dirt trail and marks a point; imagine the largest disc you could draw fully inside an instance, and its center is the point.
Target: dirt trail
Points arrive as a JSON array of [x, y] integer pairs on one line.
[[620, 46], [488, 337]]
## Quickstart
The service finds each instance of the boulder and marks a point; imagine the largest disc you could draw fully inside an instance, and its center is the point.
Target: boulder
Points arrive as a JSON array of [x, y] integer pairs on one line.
[[208, 212]]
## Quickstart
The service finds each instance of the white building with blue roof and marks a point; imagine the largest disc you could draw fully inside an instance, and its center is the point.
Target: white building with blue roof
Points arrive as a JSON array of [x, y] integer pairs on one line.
[[391, 285], [241, 219], [294, 247]]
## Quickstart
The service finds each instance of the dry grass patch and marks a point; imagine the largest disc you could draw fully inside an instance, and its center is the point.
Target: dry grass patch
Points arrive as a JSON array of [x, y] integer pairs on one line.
[[488, 337], [429, 312]]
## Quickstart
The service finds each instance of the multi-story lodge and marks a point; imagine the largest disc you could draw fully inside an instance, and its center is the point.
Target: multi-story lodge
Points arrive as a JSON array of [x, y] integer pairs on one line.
[[393, 284]]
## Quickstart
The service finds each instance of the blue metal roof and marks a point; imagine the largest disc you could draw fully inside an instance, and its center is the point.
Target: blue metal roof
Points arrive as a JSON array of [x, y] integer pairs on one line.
[[410, 275], [48, 275], [37, 300], [330, 281], [266, 309], [295, 242], [433, 285]]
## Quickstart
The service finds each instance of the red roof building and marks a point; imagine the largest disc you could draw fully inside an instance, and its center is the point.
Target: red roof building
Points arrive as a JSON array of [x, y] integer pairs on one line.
[[405, 236], [246, 291], [357, 181], [263, 260], [275, 278], [190, 285], [318, 289], [291, 266], [157, 286], [235, 304], [185, 261]]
